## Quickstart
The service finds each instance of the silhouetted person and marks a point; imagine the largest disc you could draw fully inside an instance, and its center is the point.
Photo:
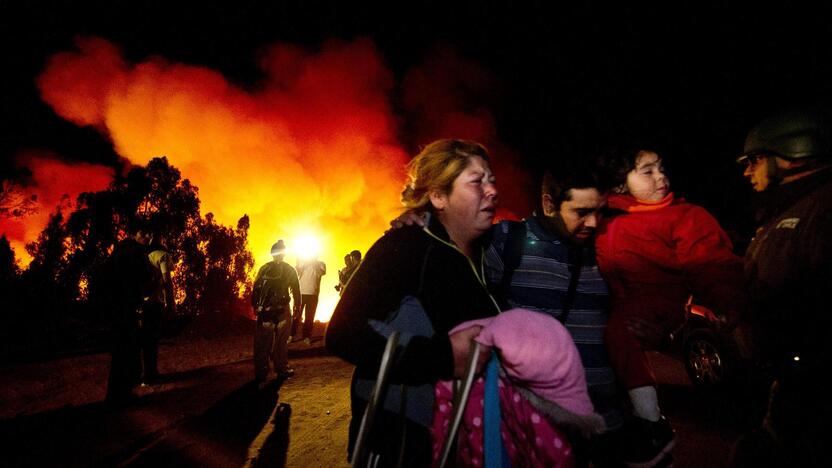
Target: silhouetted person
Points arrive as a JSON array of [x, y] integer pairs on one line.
[[310, 272], [159, 302], [270, 299], [356, 257], [344, 273], [351, 262], [130, 277]]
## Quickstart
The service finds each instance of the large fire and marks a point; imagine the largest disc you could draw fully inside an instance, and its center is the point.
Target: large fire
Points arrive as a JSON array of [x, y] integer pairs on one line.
[[53, 184], [311, 152]]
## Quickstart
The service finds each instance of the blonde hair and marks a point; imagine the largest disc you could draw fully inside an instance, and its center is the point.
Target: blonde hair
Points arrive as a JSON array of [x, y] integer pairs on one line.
[[435, 168]]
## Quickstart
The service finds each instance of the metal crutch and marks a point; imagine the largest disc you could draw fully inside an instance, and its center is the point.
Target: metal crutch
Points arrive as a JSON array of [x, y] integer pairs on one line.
[[375, 396], [460, 402]]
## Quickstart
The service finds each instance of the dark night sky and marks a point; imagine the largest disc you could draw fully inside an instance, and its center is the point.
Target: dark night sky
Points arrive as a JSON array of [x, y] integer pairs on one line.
[[571, 78]]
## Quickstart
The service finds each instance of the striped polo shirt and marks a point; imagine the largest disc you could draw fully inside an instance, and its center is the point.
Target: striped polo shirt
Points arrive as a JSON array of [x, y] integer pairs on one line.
[[540, 283]]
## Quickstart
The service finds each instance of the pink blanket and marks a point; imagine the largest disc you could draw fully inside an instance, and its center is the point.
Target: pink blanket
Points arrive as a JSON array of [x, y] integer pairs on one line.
[[537, 352]]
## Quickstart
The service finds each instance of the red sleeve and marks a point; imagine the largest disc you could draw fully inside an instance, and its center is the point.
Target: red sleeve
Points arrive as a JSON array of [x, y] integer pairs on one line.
[[713, 272]]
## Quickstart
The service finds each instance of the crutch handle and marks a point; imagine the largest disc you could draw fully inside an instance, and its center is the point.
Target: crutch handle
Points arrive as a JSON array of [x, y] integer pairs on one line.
[[375, 397]]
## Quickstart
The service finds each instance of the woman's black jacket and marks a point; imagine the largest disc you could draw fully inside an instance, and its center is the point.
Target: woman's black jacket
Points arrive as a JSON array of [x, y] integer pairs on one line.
[[417, 262]]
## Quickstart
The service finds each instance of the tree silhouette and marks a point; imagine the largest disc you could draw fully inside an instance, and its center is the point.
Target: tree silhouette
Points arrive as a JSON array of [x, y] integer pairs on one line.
[[9, 290], [8, 266], [66, 282]]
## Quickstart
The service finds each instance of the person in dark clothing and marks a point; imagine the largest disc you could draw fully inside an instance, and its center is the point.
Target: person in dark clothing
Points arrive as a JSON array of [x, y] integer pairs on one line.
[[788, 267], [344, 274], [441, 266], [534, 264], [274, 283], [547, 263], [131, 276], [351, 262], [156, 305]]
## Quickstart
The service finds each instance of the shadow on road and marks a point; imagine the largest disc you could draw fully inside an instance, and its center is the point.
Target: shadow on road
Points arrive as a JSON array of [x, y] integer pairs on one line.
[[202, 417], [708, 423], [222, 435], [95, 434], [53, 438], [273, 450], [734, 409]]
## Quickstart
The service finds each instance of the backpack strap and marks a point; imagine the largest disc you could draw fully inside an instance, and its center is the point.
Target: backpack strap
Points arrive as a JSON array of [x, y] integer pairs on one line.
[[512, 254], [575, 262]]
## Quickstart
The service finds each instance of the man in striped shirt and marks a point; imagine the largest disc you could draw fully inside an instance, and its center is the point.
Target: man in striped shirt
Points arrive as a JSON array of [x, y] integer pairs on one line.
[[547, 263]]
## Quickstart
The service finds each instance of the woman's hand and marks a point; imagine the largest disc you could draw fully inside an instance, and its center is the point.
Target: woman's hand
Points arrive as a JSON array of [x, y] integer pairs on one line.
[[408, 218], [461, 343]]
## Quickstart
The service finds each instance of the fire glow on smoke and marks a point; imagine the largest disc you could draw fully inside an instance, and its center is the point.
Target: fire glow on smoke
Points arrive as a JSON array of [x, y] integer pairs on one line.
[[311, 151]]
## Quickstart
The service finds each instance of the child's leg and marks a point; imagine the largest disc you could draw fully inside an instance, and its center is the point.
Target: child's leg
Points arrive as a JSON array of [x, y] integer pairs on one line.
[[627, 358], [648, 436], [645, 403], [632, 368]]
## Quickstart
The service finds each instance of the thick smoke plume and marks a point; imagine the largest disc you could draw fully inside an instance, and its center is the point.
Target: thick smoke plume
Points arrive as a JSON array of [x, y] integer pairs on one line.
[[312, 150]]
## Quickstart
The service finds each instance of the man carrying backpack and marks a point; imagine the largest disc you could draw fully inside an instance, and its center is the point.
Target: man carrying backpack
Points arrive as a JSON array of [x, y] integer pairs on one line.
[[270, 299]]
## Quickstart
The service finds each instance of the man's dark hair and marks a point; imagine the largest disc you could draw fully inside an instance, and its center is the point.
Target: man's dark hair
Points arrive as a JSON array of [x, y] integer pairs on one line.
[[356, 255], [560, 177]]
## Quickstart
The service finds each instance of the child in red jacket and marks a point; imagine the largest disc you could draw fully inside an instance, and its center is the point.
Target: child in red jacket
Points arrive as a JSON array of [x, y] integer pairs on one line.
[[654, 251]]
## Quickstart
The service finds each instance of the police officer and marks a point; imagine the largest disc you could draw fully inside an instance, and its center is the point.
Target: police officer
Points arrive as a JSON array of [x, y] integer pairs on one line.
[[788, 268]]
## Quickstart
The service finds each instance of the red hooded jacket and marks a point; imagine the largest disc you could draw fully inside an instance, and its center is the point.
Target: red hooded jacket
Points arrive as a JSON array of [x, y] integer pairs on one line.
[[655, 254]]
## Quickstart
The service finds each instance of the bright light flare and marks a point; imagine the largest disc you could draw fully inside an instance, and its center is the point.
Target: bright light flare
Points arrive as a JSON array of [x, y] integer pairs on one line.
[[313, 149], [306, 246]]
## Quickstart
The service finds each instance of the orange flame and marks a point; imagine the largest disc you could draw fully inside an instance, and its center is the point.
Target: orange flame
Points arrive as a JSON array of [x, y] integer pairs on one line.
[[312, 150], [54, 184]]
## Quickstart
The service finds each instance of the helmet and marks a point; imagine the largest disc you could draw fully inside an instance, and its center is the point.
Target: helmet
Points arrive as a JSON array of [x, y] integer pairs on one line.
[[279, 248], [795, 134]]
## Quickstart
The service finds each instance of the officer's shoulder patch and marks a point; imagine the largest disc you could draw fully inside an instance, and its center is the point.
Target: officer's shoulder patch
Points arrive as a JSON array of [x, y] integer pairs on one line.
[[788, 223]]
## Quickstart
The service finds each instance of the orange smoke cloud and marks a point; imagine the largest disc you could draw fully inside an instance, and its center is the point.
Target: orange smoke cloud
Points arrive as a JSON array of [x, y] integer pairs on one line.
[[312, 150], [55, 184]]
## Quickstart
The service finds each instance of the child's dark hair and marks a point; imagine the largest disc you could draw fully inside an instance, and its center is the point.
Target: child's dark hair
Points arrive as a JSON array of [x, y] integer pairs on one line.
[[616, 163]]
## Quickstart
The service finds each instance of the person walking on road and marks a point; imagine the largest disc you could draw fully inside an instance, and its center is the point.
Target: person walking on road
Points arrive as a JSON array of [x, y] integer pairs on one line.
[[310, 272], [274, 283]]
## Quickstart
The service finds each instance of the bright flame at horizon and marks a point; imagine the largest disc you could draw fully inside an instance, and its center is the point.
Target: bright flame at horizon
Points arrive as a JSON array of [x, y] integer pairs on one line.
[[315, 142], [313, 148]]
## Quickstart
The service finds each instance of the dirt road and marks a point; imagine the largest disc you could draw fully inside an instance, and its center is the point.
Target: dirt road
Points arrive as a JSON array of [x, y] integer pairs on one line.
[[208, 412]]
